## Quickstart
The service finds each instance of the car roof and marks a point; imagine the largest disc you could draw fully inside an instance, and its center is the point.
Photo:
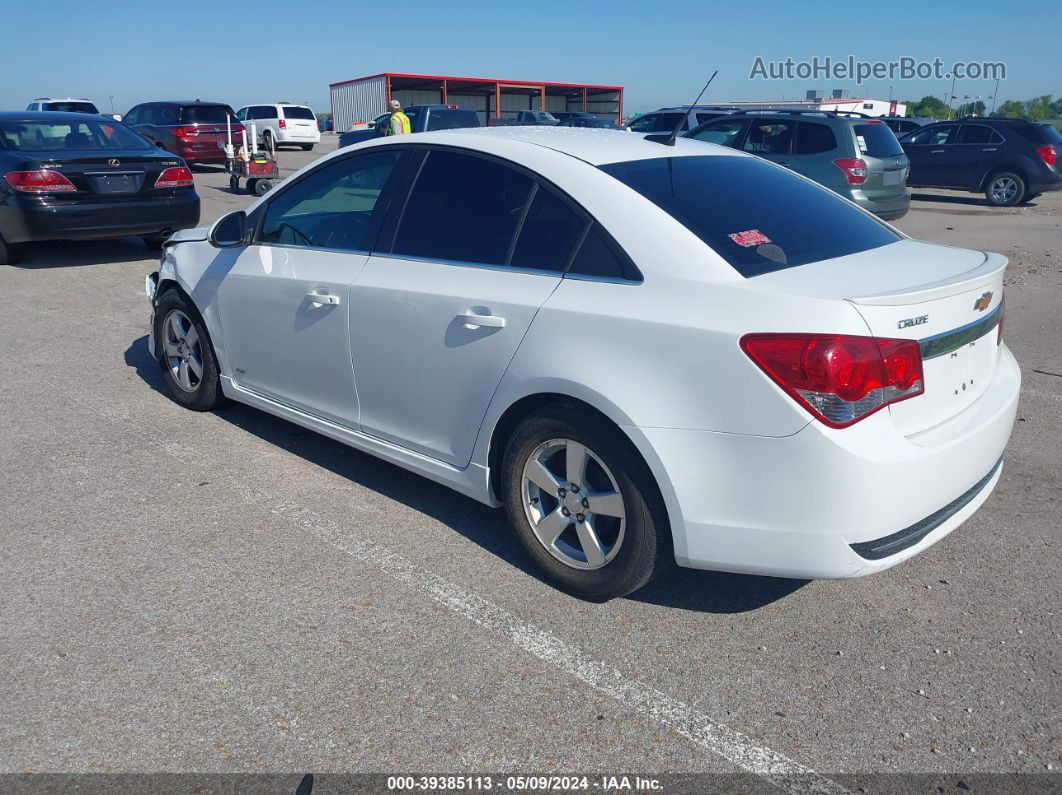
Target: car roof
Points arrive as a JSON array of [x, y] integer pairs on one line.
[[61, 99], [590, 144], [181, 102], [45, 115]]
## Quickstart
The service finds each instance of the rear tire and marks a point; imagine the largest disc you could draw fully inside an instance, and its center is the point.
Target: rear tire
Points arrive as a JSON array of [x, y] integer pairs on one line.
[[153, 242], [1005, 189], [601, 537], [307, 147], [11, 253], [186, 355], [267, 140], [261, 187], [234, 184]]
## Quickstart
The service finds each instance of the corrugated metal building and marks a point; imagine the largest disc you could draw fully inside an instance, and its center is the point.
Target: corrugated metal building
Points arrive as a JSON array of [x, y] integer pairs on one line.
[[364, 98]]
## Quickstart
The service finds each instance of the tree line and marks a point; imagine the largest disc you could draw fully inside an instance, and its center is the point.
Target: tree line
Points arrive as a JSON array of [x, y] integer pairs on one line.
[[1040, 108]]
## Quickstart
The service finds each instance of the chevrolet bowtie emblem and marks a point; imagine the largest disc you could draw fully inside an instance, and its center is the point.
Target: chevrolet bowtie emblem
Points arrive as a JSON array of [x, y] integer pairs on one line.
[[981, 304]]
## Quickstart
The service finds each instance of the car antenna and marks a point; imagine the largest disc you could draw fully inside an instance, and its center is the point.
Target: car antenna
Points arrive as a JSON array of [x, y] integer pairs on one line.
[[669, 140]]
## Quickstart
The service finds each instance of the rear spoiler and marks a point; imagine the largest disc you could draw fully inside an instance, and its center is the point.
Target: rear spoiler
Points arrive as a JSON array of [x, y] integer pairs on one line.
[[972, 279]]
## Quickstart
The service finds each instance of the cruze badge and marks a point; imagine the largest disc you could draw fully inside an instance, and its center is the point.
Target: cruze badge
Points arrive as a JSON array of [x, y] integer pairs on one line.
[[907, 322], [114, 163], [981, 304]]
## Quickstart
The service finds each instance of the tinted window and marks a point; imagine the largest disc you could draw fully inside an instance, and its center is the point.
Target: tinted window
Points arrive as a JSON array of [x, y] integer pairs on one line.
[[657, 122], [132, 117], [205, 114], [71, 107], [703, 117], [977, 134], [165, 114], [600, 256], [549, 233], [1037, 134], [462, 208], [333, 206], [877, 140], [86, 136], [1051, 134], [770, 138], [813, 138], [756, 216], [452, 119], [292, 112], [724, 133], [934, 136]]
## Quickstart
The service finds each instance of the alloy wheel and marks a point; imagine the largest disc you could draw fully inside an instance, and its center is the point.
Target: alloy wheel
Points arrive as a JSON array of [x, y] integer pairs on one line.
[[183, 350], [1004, 190], [573, 504]]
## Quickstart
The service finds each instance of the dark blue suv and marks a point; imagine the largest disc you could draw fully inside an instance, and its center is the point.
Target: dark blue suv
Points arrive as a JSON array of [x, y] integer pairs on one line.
[[1009, 160]]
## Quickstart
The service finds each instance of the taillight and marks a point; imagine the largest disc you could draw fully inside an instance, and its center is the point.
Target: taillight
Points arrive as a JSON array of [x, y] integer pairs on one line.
[[43, 181], [1049, 154], [184, 132], [283, 124], [176, 177], [840, 379], [855, 170]]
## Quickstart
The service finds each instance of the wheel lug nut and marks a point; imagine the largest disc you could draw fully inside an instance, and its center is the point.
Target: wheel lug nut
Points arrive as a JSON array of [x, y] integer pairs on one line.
[[579, 517], [575, 489], [566, 512], [561, 492], [586, 502]]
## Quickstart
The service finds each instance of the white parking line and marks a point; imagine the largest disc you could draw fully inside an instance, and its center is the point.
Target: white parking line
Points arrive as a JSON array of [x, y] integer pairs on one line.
[[696, 726]]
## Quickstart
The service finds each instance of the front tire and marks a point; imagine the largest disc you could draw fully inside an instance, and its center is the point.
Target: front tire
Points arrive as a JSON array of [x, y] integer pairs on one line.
[[186, 355], [1005, 189], [584, 505], [307, 147], [260, 187]]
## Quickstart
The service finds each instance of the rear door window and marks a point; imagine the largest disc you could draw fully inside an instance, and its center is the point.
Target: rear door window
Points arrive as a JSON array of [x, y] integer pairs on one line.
[[978, 134], [813, 138], [757, 217], [462, 208], [937, 135], [876, 140], [658, 122], [770, 138]]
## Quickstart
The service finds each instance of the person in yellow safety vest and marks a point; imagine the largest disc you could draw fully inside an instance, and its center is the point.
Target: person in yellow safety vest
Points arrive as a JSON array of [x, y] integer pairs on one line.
[[399, 122]]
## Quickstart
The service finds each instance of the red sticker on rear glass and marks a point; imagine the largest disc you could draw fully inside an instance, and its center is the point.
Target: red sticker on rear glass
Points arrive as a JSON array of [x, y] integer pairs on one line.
[[750, 238]]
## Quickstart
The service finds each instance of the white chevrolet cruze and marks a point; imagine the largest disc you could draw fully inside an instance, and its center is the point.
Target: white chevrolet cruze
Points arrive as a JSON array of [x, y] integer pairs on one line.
[[644, 352]]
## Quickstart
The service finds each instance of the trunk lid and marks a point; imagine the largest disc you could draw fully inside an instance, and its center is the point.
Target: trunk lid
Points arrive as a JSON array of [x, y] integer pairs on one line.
[[116, 174], [949, 299]]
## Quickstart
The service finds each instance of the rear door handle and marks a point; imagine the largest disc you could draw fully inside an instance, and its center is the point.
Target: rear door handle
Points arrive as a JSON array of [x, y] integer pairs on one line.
[[323, 299], [472, 320], [935, 151], [989, 149]]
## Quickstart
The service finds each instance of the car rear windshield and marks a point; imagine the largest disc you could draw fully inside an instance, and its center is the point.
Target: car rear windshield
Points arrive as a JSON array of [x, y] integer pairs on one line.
[[1053, 135], [82, 136], [298, 113], [452, 119], [71, 107], [877, 140], [205, 114], [758, 217]]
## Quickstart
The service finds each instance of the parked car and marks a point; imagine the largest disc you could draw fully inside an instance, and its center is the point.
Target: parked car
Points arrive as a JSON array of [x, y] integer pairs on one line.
[[665, 119], [67, 105], [1009, 160], [855, 156], [70, 176], [588, 121], [278, 124], [422, 118], [524, 118], [565, 115], [646, 353], [901, 125], [192, 129]]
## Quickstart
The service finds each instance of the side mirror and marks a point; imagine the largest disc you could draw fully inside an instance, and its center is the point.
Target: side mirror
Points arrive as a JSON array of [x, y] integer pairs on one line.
[[116, 116], [229, 231]]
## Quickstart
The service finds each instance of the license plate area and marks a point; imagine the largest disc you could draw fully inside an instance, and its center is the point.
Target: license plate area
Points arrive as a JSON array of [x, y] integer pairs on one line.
[[894, 177], [110, 184]]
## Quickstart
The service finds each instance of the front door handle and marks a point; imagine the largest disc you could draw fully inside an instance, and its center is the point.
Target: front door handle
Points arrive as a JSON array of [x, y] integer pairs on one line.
[[472, 320], [322, 299], [989, 149], [935, 151]]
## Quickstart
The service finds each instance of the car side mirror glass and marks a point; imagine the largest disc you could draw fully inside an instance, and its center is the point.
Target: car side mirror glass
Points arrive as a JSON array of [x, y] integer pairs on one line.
[[229, 231]]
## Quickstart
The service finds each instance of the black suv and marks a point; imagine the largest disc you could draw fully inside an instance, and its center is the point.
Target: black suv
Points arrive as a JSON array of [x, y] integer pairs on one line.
[[1009, 160]]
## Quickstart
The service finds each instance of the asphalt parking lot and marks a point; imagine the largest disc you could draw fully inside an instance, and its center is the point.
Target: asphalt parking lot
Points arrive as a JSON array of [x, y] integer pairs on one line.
[[229, 592]]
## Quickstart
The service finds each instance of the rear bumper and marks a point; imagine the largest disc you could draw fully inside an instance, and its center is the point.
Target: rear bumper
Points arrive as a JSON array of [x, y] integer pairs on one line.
[[1043, 184], [887, 208], [818, 503], [40, 221], [310, 136]]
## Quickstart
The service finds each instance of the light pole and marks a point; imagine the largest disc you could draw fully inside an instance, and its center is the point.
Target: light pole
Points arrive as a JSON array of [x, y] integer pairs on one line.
[[112, 104], [994, 95]]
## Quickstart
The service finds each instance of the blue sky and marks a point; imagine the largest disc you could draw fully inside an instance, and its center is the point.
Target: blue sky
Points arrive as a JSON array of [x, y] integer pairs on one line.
[[661, 52]]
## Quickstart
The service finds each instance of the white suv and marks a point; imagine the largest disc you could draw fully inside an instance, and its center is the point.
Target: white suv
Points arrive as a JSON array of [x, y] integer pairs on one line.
[[67, 105], [283, 124]]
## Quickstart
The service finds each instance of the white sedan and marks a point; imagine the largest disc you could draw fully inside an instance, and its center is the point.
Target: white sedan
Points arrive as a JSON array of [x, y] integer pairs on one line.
[[646, 353]]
